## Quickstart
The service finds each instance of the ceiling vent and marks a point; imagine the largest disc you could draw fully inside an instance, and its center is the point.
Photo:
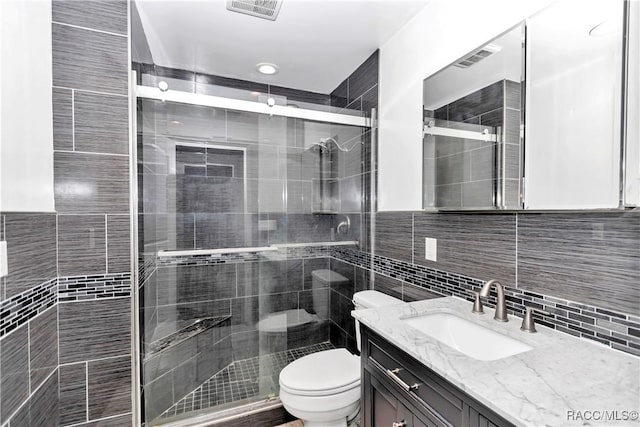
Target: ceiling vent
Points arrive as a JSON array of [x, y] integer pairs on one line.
[[478, 56], [266, 9]]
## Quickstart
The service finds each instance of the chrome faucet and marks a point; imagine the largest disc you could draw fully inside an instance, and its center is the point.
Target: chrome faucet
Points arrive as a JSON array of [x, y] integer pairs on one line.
[[501, 308]]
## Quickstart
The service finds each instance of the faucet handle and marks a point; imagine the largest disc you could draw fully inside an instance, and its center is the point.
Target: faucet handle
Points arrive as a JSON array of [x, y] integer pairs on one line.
[[528, 323], [477, 303]]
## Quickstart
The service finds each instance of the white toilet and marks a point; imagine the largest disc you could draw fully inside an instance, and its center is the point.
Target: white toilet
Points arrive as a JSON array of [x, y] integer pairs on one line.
[[323, 389]]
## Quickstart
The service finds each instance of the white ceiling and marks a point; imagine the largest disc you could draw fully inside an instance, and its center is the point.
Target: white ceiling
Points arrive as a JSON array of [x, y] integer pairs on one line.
[[316, 43]]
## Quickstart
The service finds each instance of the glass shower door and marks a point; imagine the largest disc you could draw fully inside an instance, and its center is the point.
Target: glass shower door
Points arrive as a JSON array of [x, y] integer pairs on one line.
[[218, 328]]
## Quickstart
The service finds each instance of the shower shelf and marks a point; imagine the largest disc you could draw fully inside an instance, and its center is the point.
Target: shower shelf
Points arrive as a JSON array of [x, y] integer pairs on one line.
[[197, 327]]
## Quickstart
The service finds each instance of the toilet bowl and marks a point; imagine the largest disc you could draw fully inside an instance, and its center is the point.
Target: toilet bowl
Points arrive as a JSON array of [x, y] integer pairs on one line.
[[323, 388]]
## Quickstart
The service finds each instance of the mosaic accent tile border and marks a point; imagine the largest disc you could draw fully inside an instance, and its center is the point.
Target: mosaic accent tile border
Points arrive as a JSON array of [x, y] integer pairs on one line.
[[616, 330], [279, 255], [19, 309], [81, 288]]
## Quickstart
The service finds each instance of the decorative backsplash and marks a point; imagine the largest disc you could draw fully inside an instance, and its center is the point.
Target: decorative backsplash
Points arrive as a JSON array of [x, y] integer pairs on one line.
[[616, 330], [19, 309]]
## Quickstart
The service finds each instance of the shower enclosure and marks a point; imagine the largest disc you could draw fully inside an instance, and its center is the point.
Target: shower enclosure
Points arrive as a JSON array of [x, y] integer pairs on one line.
[[239, 205]]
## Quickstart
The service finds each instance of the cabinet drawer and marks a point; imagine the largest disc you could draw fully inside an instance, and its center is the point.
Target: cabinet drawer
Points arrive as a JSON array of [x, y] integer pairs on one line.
[[426, 390]]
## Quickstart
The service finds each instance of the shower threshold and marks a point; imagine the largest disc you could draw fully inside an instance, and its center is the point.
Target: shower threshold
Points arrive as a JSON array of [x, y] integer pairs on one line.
[[244, 385]]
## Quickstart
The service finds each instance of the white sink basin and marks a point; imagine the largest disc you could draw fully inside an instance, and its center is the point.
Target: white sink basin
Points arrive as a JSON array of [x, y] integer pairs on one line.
[[467, 337]]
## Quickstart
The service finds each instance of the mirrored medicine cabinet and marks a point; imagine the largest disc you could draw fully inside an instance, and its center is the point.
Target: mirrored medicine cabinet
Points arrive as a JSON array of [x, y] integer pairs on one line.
[[535, 118]]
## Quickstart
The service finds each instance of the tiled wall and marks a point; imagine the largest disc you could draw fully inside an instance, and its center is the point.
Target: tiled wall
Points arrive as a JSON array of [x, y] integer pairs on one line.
[[582, 267], [66, 330], [28, 325], [357, 92]]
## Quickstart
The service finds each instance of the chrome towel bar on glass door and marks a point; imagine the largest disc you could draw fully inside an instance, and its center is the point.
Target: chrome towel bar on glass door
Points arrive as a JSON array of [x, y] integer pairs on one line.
[[220, 251]]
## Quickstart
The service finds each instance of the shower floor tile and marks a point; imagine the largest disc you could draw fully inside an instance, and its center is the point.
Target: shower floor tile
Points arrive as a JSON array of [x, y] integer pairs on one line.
[[250, 379]]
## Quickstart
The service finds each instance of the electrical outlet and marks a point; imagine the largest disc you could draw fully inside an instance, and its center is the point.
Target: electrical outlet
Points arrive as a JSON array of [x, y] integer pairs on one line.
[[4, 270], [430, 249]]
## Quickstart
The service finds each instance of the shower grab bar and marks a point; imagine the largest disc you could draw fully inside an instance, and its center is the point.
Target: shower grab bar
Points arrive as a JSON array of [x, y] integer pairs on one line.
[[484, 135], [221, 251], [313, 244]]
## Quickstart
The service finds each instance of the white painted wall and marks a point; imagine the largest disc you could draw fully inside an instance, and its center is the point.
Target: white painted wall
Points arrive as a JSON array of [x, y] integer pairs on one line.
[[442, 32], [26, 129]]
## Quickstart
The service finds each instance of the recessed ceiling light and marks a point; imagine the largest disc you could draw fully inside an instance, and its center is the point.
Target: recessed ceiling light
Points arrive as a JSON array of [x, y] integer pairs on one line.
[[267, 68]]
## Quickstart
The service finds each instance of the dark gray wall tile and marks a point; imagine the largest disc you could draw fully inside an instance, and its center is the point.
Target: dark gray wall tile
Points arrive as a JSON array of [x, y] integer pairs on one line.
[[369, 101], [477, 245], [394, 235], [101, 123], [364, 77], [348, 271], [226, 230], [416, 293], [182, 284], [479, 102], [590, 258], [340, 94], [168, 232], [84, 59], [42, 407], [94, 329], [193, 310], [340, 313], [31, 247], [351, 194], [269, 277], [339, 338], [308, 228], [245, 344], [109, 387], [81, 245], [119, 421], [91, 183], [73, 393], [14, 371], [118, 243], [62, 119], [158, 396], [43, 345], [387, 285], [105, 15]]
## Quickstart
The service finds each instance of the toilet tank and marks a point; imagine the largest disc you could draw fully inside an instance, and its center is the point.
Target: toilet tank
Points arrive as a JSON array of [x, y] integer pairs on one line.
[[371, 299]]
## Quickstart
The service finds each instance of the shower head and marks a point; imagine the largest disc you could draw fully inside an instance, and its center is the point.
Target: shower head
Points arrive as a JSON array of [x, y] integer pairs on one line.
[[325, 143]]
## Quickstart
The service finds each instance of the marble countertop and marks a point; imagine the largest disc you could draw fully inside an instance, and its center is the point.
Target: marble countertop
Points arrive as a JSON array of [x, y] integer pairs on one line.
[[552, 385]]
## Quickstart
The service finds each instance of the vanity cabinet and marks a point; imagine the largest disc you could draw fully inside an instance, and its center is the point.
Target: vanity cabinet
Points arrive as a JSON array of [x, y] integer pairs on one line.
[[398, 391]]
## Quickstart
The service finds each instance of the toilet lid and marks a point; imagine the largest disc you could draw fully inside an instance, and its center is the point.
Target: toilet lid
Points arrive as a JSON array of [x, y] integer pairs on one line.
[[325, 372]]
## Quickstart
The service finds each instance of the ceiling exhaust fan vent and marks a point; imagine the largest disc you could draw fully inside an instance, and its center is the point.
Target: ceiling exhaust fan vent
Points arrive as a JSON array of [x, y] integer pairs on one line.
[[266, 9], [478, 56]]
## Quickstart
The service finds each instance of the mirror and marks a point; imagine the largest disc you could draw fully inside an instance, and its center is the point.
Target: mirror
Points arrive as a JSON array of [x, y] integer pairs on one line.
[[574, 106], [472, 116], [577, 66]]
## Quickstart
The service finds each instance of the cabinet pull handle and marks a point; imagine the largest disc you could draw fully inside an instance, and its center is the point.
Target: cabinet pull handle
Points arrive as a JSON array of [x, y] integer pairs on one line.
[[393, 374], [399, 424]]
